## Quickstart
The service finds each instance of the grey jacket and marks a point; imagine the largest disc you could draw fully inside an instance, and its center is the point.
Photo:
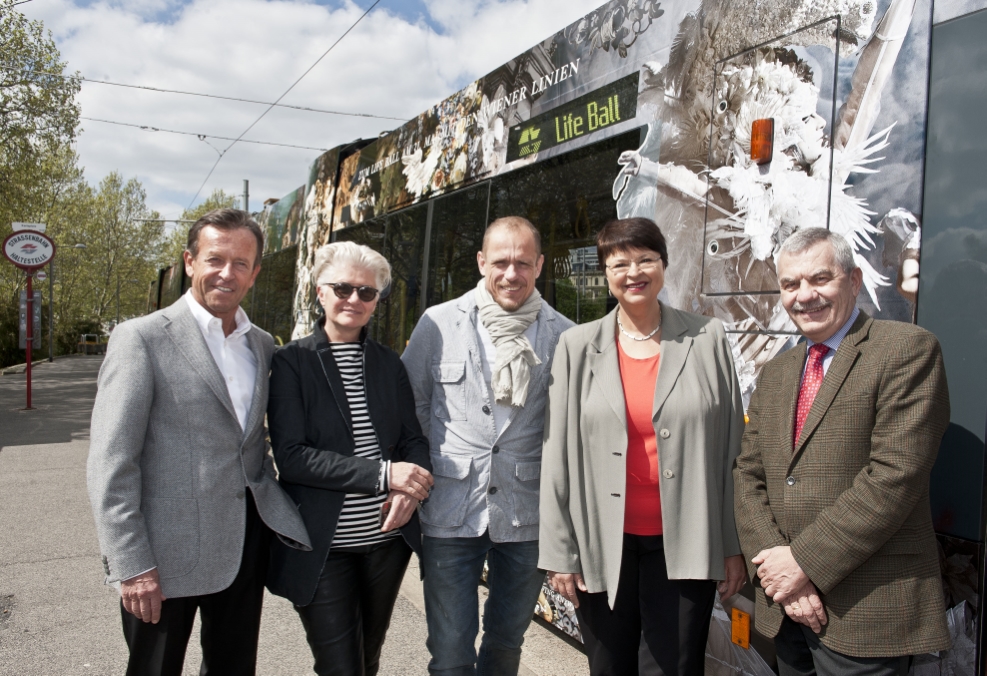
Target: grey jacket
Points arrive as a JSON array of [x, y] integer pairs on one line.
[[478, 472], [169, 463], [698, 419]]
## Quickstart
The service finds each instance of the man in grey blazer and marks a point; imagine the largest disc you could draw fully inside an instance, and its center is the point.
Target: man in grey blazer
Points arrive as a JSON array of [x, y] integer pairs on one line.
[[181, 484], [479, 367]]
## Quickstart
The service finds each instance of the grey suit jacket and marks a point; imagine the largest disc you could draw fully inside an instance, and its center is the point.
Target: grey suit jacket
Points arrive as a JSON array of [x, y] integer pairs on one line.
[[169, 463], [698, 419]]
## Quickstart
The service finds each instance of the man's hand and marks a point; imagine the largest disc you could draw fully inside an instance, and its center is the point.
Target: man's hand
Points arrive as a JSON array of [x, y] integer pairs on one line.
[[786, 583], [805, 607], [142, 597], [411, 479], [566, 584], [402, 507], [736, 576], [781, 575]]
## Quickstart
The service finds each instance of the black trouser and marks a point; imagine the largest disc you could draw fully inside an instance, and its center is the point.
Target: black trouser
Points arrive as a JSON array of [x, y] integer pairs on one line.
[[230, 619], [346, 621], [674, 615], [801, 654]]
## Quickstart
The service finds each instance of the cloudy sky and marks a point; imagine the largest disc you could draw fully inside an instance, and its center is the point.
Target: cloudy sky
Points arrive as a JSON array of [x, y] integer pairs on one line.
[[402, 58]]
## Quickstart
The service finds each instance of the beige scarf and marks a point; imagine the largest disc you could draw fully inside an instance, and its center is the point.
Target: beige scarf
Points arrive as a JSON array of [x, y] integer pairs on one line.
[[511, 372]]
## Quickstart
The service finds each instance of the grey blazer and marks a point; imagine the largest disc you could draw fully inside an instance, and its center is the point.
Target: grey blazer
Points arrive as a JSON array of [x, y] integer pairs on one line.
[[699, 421], [169, 463], [469, 457]]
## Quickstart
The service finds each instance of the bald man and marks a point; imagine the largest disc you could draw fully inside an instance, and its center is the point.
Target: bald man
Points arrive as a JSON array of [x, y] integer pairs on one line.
[[479, 367]]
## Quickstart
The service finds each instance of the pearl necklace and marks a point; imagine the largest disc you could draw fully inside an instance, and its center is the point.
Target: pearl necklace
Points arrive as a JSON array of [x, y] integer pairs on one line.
[[620, 326]]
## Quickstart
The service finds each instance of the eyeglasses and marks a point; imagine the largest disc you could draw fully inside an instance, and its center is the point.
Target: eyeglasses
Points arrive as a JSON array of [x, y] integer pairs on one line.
[[344, 290], [621, 268]]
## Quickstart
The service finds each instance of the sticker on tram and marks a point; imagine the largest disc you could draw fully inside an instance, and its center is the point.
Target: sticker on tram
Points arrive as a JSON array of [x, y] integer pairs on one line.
[[601, 108]]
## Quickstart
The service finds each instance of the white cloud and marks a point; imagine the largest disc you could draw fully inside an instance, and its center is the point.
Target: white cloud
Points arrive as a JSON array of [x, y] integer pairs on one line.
[[394, 63]]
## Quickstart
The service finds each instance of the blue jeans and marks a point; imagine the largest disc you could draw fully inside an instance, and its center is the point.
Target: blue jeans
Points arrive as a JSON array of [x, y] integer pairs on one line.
[[452, 569]]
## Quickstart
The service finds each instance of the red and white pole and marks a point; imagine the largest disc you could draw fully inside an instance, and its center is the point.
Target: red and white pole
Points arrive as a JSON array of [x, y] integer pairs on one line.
[[29, 249], [30, 333]]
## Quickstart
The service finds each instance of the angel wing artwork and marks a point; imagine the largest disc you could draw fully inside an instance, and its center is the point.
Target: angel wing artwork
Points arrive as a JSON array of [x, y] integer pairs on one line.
[[694, 175], [420, 166]]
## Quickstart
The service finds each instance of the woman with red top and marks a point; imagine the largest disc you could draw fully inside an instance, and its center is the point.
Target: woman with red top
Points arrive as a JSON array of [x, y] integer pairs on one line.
[[643, 424]]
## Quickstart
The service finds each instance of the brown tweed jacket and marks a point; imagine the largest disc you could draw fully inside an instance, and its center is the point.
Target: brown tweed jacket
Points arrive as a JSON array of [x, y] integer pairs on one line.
[[852, 501]]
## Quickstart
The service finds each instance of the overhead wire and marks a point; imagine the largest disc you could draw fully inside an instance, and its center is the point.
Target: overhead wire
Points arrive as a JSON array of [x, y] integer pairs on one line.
[[81, 78], [278, 100], [201, 137]]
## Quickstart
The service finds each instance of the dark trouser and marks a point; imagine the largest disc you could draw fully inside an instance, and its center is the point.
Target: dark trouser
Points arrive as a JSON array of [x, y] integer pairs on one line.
[[673, 614], [230, 619], [346, 621], [801, 654], [452, 574]]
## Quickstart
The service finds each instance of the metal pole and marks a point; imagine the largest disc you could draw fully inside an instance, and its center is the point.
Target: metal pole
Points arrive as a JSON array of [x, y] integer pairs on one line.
[[30, 333], [246, 195], [118, 302], [51, 310]]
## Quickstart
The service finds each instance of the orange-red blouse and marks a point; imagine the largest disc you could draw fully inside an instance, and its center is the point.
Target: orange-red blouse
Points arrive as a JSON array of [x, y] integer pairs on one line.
[[642, 506]]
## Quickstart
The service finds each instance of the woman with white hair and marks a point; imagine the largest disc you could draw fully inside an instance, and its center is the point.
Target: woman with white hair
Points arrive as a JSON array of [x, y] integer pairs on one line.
[[351, 454]]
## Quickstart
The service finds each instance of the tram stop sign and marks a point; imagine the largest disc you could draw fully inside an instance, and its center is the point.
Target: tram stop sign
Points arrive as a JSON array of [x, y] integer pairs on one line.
[[28, 249]]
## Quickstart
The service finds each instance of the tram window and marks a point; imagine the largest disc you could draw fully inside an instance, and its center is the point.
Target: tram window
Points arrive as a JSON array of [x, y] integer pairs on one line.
[[458, 222], [369, 233], [404, 248], [269, 302], [568, 198], [173, 284], [954, 264]]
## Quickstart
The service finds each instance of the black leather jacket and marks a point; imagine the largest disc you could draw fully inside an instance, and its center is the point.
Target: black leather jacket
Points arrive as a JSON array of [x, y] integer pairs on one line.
[[309, 420]]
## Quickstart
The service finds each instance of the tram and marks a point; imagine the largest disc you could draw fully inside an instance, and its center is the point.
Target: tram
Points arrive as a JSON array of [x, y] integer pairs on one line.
[[731, 123]]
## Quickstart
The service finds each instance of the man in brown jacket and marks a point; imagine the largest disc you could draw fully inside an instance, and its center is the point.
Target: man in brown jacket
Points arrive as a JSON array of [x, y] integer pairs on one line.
[[832, 484]]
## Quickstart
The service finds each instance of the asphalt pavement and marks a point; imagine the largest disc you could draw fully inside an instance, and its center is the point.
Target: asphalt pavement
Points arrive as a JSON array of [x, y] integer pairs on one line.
[[57, 618]]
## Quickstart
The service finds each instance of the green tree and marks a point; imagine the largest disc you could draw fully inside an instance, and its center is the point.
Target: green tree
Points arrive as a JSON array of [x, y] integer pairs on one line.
[[38, 167], [171, 252], [39, 118], [109, 245], [122, 251]]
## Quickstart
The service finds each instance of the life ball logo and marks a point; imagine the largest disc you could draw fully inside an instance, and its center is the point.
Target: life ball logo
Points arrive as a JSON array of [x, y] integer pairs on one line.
[[28, 249]]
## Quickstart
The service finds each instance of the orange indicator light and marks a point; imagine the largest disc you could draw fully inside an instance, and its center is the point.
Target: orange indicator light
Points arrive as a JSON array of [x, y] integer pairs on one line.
[[762, 140]]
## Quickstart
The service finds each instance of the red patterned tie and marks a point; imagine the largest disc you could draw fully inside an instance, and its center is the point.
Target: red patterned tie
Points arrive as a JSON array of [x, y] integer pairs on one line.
[[810, 385]]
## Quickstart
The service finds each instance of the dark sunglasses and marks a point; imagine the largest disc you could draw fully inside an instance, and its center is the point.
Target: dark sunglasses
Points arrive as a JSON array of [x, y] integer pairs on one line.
[[344, 290]]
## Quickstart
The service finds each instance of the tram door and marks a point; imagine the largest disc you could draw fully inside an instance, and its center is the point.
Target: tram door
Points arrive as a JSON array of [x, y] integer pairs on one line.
[[455, 235], [952, 299], [404, 247], [400, 237]]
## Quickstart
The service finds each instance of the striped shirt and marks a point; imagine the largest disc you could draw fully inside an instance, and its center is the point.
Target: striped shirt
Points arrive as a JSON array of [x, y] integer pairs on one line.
[[358, 521]]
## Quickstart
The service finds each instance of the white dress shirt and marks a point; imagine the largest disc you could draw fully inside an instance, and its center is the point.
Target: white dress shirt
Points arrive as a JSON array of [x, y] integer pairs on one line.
[[488, 355], [232, 354]]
